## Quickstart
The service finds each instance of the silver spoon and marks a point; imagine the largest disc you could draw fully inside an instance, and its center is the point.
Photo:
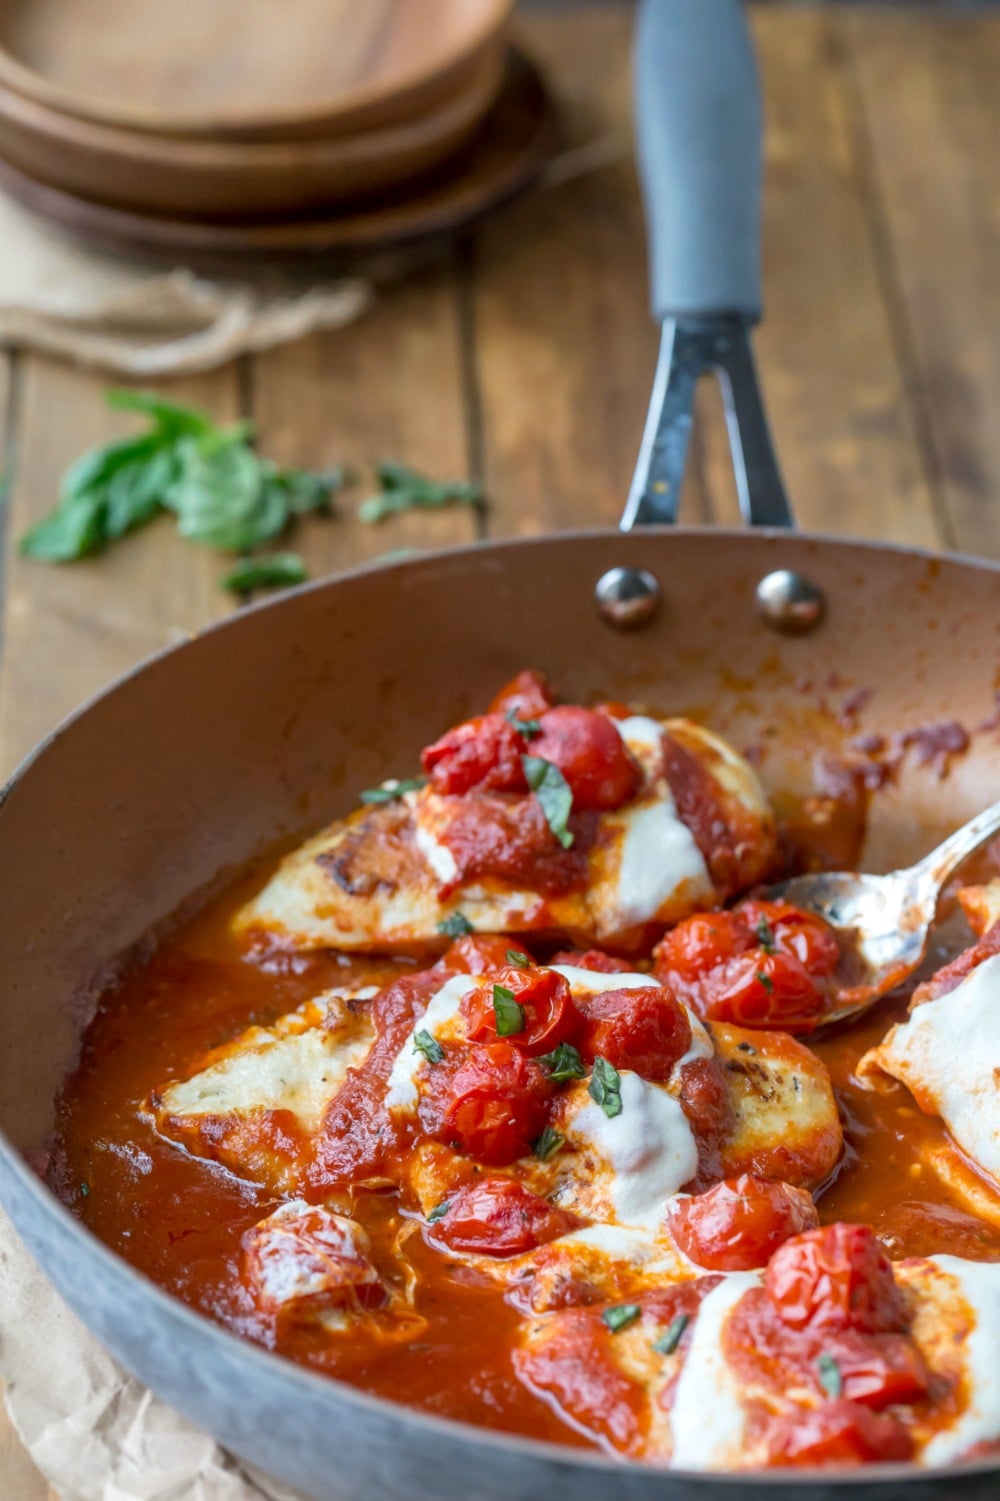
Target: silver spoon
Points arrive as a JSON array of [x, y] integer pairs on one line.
[[888, 918]]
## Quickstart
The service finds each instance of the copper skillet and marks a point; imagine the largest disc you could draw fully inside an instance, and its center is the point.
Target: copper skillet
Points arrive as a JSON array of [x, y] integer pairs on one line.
[[269, 723]]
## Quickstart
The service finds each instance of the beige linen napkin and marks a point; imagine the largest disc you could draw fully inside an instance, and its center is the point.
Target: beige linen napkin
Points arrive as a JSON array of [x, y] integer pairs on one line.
[[128, 317], [94, 1432]]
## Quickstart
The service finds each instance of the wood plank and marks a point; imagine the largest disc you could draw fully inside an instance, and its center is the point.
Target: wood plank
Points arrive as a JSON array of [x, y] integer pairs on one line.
[[927, 102], [565, 347], [69, 630], [389, 386]]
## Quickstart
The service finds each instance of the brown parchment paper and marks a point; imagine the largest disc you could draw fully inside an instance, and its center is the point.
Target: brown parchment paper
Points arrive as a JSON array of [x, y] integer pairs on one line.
[[95, 1433]]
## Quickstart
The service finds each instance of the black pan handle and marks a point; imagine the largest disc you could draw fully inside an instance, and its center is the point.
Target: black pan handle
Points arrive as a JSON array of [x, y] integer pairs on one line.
[[699, 124]]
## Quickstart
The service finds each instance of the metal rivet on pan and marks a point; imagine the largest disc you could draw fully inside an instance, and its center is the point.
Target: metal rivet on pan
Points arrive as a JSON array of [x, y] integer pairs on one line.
[[628, 597], [790, 603]]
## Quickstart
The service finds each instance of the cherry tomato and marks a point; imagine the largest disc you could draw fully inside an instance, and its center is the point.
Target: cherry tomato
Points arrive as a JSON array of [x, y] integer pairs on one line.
[[838, 1433], [591, 755], [645, 1030], [699, 945], [482, 953], [807, 937], [481, 755], [550, 1016], [498, 1216], [763, 990], [737, 1225], [595, 959], [837, 1277], [492, 1106], [877, 1369], [526, 696]]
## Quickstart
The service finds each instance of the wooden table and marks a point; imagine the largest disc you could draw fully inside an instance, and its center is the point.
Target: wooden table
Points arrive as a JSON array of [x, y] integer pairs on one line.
[[525, 358]]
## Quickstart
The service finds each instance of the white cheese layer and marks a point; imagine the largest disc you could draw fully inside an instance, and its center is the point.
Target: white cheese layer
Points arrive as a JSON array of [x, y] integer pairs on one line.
[[978, 1284], [707, 1416], [948, 1053], [649, 1148], [441, 1014]]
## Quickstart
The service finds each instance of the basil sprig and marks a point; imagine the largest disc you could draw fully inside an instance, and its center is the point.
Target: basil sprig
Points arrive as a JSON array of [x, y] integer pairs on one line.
[[564, 1062], [508, 1012], [455, 925], [438, 1212], [426, 1043], [553, 793], [274, 570], [671, 1338], [621, 1316], [528, 728], [548, 1144], [515, 957], [390, 791], [605, 1087], [830, 1375], [220, 491], [765, 935], [401, 488]]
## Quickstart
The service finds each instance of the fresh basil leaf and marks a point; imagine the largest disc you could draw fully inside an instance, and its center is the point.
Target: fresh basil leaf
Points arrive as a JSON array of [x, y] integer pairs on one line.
[[529, 728], [455, 925], [765, 935], [621, 1316], [307, 491], [509, 1014], [515, 957], [391, 790], [404, 489], [135, 492], [73, 531], [220, 498], [564, 1062], [173, 420], [428, 1046], [765, 980], [548, 1144], [830, 1376], [552, 791], [438, 1212], [276, 570], [605, 1087], [668, 1342]]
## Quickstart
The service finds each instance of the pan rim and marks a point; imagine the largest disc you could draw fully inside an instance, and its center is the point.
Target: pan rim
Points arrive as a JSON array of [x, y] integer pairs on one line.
[[319, 1386]]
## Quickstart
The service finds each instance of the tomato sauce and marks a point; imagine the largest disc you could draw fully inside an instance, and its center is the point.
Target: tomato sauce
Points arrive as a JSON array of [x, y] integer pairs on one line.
[[180, 1220]]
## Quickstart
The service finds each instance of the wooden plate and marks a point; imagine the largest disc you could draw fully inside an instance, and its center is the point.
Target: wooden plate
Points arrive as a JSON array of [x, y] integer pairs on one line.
[[255, 69], [195, 178], [511, 146]]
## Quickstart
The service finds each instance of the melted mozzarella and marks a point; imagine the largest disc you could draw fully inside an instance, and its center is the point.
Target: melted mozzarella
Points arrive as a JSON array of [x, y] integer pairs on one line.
[[438, 856], [441, 1014], [948, 1053], [707, 1416], [658, 862], [978, 1284], [649, 1148]]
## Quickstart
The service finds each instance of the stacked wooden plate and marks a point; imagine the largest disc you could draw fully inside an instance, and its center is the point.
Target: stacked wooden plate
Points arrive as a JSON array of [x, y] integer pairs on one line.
[[260, 119]]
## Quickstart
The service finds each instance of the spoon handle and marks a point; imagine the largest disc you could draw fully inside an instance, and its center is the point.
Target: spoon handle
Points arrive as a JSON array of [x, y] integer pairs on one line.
[[943, 861]]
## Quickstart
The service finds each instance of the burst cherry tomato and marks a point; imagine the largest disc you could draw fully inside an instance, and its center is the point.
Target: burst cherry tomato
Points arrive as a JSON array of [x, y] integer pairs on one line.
[[492, 1106], [764, 990], [546, 1001], [645, 1030], [481, 755], [876, 1369], [595, 959], [738, 1224], [591, 755], [482, 953], [496, 1216], [838, 1433], [700, 945], [837, 1277], [811, 940], [526, 696]]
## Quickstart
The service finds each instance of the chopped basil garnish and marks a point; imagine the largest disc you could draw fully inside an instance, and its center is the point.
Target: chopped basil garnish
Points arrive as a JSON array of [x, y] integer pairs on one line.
[[85, 1190], [389, 792], [564, 1062], [766, 981], [605, 1087], [765, 936], [273, 570], [429, 1046], [438, 1212], [509, 1014], [514, 956], [549, 1143], [668, 1342], [830, 1377], [552, 791], [621, 1316], [455, 925], [529, 728]]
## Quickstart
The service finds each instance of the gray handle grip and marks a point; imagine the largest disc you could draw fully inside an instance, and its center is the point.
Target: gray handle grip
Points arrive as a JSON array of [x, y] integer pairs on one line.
[[698, 122]]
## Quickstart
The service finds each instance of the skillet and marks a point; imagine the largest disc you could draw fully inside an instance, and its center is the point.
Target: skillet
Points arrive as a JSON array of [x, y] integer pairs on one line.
[[262, 727]]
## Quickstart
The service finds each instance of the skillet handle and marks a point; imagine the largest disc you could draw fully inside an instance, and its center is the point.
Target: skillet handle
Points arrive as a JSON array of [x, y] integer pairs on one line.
[[699, 127]]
